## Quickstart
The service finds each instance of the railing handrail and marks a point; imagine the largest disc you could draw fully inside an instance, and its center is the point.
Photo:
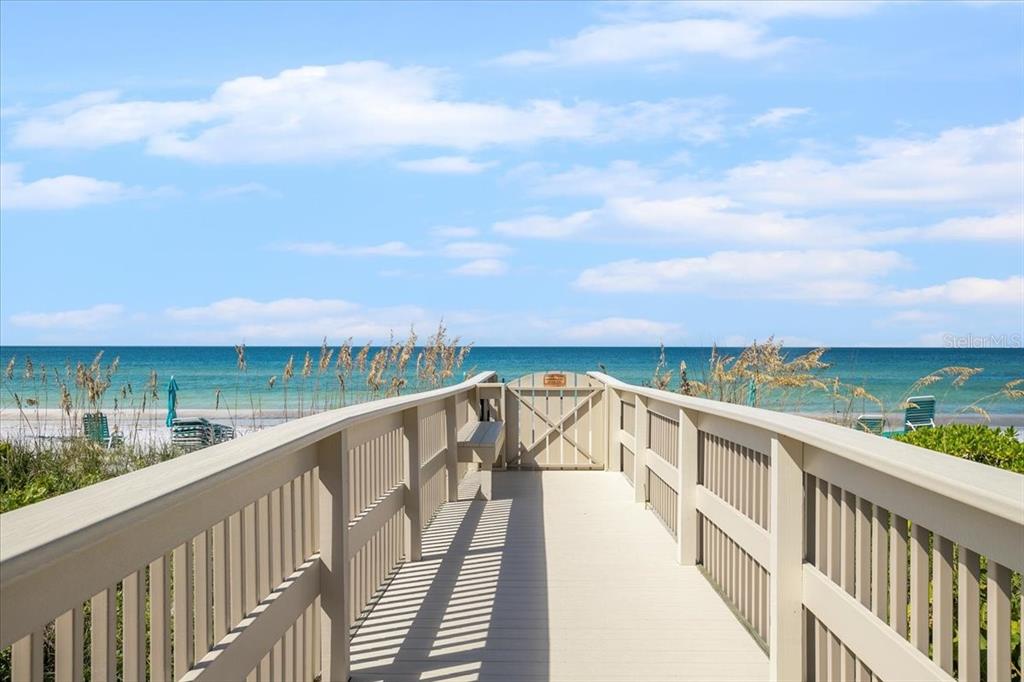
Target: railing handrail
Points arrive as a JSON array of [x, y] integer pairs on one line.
[[39, 533], [993, 490]]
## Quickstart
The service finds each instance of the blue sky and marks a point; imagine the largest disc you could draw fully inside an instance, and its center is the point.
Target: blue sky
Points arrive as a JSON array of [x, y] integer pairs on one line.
[[537, 174]]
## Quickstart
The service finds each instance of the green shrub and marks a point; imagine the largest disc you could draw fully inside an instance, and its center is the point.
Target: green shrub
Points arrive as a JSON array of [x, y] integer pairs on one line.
[[32, 471], [976, 442]]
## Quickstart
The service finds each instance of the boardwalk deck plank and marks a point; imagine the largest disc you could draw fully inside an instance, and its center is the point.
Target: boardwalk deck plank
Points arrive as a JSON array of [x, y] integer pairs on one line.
[[562, 577]]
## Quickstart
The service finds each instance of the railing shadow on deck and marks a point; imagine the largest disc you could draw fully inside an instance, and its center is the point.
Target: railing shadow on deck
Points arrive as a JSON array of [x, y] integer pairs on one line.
[[441, 618]]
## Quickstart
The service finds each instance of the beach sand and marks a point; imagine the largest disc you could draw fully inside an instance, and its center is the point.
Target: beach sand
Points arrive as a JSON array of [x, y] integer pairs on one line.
[[150, 426], [146, 427]]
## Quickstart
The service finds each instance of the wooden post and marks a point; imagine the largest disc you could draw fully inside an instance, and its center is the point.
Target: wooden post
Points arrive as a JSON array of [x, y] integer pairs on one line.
[[334, 566], [103, 642], [786, 655], [640, 458], [69, 628], [184, 643], [27, 658], [133, 590], [500, 461], [159, 622], [687, 531], [998, 655], [613, 417], [413, 527], [451, 455], [511, 426]]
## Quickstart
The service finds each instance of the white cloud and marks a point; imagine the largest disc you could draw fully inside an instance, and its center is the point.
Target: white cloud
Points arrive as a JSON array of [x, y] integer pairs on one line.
[[974, 171], [302, 320], [773, 118], [86, 99], [659, 32], [689, 218], [935, 340], [761, 11], [60, 192], [336, 111], [716, 216], [742, 341], [482, 267], [454, 165], [653, 41], [456, 249], [82, 319], [1007, 226], [821, 276], [618, 178], [244, 189], [449, 232], [965, 291], [912, 317], [233, 309], [82, 122], [694, 120], [546, 227], [475, 250], [974, 166], [813, 275], [394, 248], [624, 329]]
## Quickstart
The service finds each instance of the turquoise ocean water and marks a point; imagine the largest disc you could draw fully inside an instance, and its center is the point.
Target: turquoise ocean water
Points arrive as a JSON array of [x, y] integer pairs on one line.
[[201, 371]]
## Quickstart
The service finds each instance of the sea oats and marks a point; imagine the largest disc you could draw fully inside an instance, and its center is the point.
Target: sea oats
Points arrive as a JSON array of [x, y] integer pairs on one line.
[[364, 352], [406, 353], [326, 354], [345, 357]]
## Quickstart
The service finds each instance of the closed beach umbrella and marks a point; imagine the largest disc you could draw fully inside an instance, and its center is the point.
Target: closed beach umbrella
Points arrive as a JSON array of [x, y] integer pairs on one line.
[[172, 400]]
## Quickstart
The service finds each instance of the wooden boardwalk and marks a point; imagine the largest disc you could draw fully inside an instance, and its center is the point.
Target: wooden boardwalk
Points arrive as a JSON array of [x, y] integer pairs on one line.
[[561, 577]]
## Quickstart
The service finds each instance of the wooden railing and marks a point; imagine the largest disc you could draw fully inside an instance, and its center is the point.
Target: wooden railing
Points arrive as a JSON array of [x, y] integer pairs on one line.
[[250, 559], [849, 556]]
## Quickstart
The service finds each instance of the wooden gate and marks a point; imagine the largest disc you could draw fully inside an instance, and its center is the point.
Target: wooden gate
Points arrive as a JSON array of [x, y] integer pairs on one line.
[[555, 420]]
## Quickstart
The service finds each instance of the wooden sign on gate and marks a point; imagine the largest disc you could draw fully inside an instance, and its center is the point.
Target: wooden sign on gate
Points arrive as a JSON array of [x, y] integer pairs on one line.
[[554, 380]]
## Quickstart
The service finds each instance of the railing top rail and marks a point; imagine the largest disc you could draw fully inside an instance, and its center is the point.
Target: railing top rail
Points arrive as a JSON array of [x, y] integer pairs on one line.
[[996, 491], [35, 535]]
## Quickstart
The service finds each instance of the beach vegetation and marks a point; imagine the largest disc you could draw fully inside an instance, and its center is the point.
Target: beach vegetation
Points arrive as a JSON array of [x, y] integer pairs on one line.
[[765, 375], [32, 470], [94, 386], [976, 442]]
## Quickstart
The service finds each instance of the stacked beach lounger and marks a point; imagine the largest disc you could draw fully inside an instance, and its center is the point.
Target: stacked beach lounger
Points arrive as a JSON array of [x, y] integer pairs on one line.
[[193, 434]]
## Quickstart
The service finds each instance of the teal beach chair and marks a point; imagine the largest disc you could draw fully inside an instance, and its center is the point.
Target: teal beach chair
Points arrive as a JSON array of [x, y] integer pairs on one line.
[[96, 429], [920, 413], [871, 423]]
